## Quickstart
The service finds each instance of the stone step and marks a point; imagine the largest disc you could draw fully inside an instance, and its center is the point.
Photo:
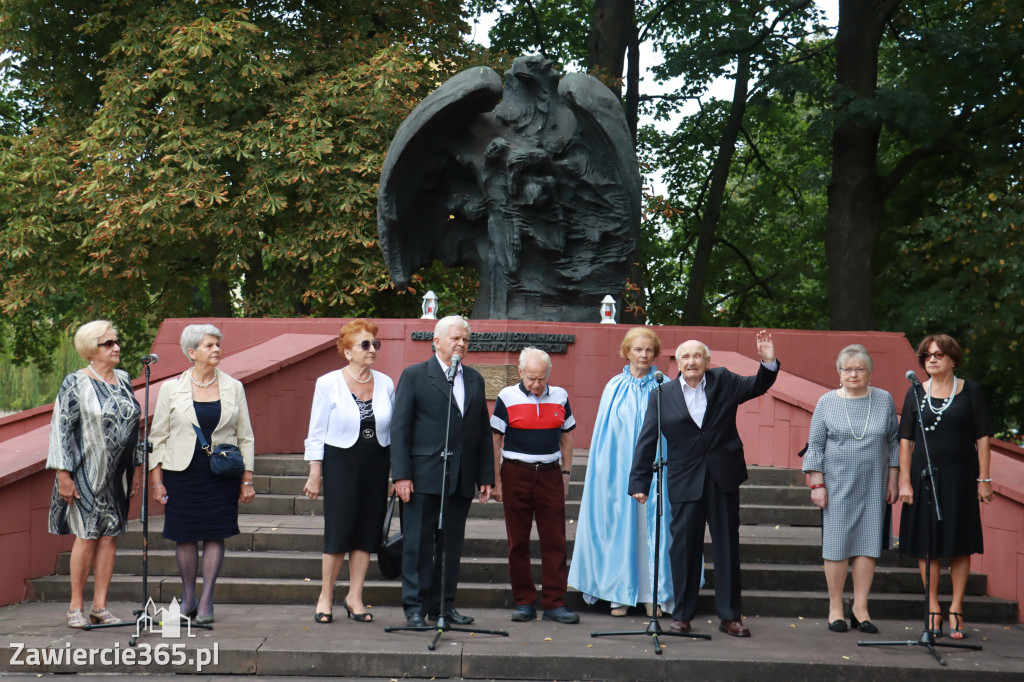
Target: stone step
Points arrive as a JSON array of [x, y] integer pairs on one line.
[[306, 565], [487, 538], [295, 465], [754, 514], [475, 595]]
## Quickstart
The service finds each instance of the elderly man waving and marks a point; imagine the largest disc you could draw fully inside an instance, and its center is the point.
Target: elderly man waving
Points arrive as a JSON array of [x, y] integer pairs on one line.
[[705, 468]]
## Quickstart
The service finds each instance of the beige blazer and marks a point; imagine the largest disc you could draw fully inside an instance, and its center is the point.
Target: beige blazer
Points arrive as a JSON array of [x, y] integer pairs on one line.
[[172, 435]]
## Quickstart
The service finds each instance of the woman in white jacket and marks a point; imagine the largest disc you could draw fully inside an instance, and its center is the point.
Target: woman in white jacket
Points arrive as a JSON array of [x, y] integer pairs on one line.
[[349, 459]]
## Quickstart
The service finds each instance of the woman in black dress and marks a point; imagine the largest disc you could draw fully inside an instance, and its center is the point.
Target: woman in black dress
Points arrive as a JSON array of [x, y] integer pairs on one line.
[[957, 427], [349, 458], [200, 505]]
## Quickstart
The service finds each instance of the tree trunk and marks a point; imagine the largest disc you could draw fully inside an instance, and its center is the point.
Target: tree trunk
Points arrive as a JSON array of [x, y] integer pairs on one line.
[[716, 192], [614, 35], [855, 199]]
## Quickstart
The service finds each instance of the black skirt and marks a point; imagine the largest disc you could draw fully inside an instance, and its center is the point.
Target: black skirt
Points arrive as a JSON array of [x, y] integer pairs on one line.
[[200, 505], [355, 489]]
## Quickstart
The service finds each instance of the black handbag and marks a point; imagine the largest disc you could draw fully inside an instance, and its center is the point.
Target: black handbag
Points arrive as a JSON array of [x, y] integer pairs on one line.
[[225, 459], [389, 553]]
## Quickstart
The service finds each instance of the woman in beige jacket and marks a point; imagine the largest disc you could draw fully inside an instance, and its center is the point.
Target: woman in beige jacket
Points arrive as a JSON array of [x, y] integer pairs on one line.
[[199, 504]]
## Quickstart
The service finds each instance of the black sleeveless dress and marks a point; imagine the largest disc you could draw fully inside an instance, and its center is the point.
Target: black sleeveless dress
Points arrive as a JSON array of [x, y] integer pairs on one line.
[[200, 505]]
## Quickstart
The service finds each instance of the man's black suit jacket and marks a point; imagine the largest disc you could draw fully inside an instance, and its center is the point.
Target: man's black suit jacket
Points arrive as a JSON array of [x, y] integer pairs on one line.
[[417, 431], [692, 449]]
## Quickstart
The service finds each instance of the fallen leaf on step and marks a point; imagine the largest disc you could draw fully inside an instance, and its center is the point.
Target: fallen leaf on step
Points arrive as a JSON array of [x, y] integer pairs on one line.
[[548, 639]]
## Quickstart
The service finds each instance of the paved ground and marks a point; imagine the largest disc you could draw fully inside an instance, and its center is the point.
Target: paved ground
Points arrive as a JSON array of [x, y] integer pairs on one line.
[[284, 641]]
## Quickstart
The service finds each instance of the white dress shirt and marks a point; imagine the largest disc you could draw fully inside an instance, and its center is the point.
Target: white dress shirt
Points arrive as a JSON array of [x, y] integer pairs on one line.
[[460, 384]]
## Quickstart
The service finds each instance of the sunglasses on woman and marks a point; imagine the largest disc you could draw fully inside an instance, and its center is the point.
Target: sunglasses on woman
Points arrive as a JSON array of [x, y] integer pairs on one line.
[[365, 344], [110, 343], [938, 355]]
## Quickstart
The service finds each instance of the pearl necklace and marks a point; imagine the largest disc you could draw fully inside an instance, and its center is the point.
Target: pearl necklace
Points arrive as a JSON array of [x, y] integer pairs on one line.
[[96, 374], [364, 381], [867, 420], [946, 404], [209, 383]]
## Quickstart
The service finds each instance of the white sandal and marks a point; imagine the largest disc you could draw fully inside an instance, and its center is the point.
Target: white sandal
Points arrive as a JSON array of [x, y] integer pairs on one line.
[[76, 619]]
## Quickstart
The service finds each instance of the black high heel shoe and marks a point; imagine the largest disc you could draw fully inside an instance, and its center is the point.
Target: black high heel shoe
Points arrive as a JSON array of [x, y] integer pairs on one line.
[[864, 626], [365, 617], [936, 632]]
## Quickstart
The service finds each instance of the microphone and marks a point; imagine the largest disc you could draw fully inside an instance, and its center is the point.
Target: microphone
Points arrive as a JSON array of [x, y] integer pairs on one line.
[[659, 377], [912, 377], [150, 359], [455, 366]]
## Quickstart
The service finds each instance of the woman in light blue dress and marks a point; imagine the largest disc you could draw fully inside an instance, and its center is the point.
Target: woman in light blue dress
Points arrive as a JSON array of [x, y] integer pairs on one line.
[[613, 554]]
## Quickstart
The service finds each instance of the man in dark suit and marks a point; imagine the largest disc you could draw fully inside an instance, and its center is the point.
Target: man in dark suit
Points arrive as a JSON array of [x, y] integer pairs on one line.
[[422, 409], [705, 467]]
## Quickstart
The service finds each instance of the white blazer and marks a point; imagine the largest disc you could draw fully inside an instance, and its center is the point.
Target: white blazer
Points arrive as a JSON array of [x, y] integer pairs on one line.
[[172, 435], [334, 418]]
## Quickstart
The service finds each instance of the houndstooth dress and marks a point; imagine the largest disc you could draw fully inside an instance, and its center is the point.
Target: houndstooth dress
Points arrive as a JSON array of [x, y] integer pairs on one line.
[[856, 471]]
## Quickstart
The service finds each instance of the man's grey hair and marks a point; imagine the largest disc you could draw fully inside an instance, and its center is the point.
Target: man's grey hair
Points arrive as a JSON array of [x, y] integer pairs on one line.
[[192, 336], [707, 351], [528, 353], [854, 350], [446, 322]]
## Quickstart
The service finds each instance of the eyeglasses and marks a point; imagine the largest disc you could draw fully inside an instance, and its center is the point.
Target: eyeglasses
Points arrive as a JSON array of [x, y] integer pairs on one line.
[[110, 343], [938, 355], [365, 344], [854, 370]]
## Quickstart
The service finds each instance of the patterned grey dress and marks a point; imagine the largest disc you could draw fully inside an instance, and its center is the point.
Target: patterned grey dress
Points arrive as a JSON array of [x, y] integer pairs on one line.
[[854, 449], [93, 435]]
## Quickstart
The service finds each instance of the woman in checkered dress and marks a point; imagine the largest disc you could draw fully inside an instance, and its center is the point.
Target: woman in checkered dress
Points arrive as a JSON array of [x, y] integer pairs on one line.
[[853, 465]]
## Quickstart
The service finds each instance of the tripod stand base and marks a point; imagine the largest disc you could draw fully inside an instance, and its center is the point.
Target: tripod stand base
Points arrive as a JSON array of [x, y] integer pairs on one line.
[[927, 640], [653, 630], [442, 627]]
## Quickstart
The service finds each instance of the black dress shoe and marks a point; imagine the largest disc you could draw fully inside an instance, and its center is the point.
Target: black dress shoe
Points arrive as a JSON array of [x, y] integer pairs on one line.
[[864, 626], [838, 625], [454, 617], [415, 620]]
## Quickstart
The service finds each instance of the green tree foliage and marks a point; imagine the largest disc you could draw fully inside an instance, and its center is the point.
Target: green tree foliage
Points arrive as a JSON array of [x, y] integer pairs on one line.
[[210, 158]]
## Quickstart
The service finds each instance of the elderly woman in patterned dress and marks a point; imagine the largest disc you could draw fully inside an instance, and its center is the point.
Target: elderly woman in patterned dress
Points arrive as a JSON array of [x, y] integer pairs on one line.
[[93, 435], [853, 465]]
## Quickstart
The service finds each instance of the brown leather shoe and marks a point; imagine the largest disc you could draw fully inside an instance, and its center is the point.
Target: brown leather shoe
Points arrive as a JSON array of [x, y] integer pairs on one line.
[[680, 626], [736, 628]]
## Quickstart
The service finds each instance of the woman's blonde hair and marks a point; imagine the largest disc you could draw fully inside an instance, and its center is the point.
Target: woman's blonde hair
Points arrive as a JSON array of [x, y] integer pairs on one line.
[[87, 336]]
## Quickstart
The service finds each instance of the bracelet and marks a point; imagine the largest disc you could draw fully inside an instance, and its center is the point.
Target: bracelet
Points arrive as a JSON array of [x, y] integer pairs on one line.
[[984, 480], [565, 472], [249, 483], [158, 483], [817, 485]]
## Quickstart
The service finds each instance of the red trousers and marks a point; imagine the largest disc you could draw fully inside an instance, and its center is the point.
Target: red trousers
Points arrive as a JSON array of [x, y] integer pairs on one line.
[[527, 494]]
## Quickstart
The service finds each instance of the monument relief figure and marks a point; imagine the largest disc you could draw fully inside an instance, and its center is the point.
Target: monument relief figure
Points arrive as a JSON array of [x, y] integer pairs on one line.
[[536, 185]]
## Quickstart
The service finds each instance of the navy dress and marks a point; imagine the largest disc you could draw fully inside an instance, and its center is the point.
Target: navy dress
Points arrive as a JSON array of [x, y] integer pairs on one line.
[[200, 505]]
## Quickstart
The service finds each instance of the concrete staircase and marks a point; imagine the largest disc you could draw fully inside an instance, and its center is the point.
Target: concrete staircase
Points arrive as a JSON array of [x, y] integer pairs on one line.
[[276, 558]]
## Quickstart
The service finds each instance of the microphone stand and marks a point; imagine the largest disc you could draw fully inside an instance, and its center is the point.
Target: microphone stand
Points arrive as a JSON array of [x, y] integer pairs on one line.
[[443, 625], [927, 638], [654, 625]]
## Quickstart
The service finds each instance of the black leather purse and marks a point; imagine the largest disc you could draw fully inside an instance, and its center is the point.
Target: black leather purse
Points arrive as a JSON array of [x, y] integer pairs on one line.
[[389, 553], [225, 459]]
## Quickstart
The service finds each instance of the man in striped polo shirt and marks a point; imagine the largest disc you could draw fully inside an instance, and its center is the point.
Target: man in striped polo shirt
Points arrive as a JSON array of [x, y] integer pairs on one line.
[[532, 426]]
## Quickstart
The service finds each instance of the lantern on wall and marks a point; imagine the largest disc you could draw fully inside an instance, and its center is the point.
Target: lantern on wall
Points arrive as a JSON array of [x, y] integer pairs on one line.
[[608, 310], [429, 306]]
